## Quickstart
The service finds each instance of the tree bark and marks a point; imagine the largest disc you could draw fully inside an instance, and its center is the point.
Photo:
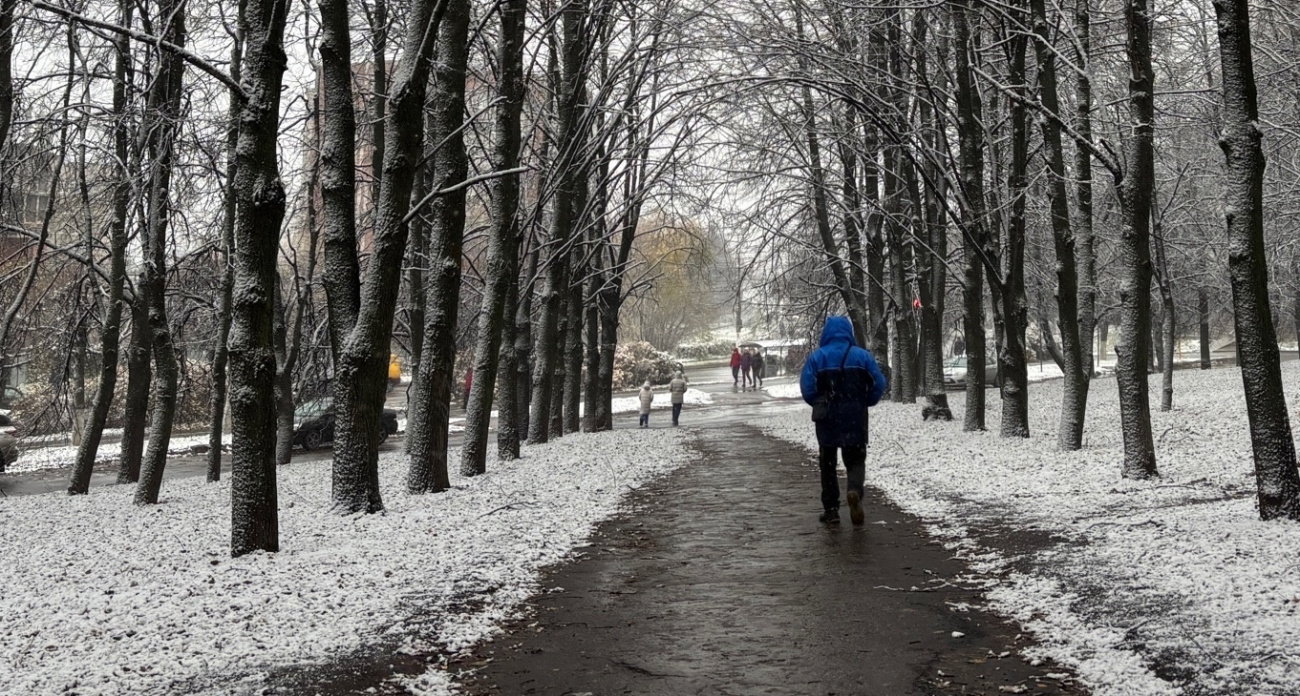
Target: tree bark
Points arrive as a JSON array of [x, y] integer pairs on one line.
[[111, 332], [1203, 318], [971, 149], [1078, 374], [1135, 251], [1261, 374], [427, 450], [139, 376], [1013, 375], [503, 245], [221, 356], [570, 101], [259, 206], [524, 347], [1085, 253], [1165, 335]]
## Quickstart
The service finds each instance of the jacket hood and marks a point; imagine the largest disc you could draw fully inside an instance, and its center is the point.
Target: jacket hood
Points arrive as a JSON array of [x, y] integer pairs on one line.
[[837, 329], [646, 385], [677, 375]]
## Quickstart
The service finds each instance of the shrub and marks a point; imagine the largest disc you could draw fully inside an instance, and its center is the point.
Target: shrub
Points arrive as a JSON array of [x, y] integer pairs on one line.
[[718, 348], [634, 363]]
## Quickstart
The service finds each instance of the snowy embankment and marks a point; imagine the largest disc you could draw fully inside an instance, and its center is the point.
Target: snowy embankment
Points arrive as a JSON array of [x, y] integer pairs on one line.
[[1171, 586], [103, 597]]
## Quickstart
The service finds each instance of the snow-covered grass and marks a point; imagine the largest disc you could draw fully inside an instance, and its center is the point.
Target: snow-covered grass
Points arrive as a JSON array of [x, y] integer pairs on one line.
[[35, 458], [103, 597], [662, 400], [1171, 586]]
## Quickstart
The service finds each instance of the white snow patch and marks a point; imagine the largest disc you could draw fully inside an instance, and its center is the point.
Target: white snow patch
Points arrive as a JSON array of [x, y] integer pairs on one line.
[[103, 597]]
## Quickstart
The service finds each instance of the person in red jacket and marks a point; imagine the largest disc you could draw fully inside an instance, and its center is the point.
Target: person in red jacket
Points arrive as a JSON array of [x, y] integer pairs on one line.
[[469, 384], [735, 366]]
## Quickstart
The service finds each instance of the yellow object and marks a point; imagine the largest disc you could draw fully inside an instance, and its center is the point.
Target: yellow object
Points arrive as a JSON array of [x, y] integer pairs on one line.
[[394, 368]]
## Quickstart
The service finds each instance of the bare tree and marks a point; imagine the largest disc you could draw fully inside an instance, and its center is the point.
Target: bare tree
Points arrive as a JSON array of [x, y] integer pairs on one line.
[[161, 128], [426, 445], [259, 206], [503, 244], [1270, 427], [110, 333]]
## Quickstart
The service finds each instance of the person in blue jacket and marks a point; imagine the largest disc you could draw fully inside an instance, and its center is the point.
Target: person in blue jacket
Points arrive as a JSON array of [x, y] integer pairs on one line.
[[840, 380]]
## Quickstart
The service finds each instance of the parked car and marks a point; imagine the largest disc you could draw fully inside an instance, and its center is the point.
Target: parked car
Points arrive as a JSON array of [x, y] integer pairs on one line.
[[8, 441], [954, 372], [314, 424]]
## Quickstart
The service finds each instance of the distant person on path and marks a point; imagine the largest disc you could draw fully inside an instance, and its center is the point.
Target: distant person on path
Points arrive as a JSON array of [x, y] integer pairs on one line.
[[746, 362], [840, 381], [735, 366], [756, 364], [647, 397], [469, 384], [677, 388]]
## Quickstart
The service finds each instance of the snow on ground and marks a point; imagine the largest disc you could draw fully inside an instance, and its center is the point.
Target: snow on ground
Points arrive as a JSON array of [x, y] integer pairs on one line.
[[103, 597], [1171, 586], [34, 458], [662, 400], [790, 390]]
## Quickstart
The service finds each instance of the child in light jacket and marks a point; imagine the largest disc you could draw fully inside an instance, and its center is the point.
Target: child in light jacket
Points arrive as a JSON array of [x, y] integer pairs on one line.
[[647, 396]]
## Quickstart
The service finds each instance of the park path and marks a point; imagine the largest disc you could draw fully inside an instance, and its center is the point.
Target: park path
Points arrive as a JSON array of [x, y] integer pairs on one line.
[[723, 582]]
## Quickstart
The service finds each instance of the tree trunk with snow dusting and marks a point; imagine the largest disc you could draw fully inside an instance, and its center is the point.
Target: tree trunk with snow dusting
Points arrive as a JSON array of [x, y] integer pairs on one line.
[[1261, 375], [971, 147], [426, 446], [1074, 391], [111, 331], [162, 125], [1135, 251], [503, 244], [570, 101], [259, 206]]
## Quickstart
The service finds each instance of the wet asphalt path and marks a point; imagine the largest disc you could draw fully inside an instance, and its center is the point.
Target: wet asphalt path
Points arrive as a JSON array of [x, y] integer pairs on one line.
[[723, 582]]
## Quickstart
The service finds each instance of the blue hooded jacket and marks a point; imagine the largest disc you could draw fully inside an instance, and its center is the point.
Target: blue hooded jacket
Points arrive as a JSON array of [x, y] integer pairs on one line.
[[848, 390]]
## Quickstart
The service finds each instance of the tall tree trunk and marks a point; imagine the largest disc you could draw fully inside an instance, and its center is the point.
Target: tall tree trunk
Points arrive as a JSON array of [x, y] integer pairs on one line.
[[1203, 318], [221, 356], [1165, 342], [903, 385], [1135, 251], [932, 263], [570, 101], [378, 17], [1013, 375], [427, 450], [573, 350], [259, 206], [1261, 373], [971, 145], [1084, 250], [1078, 374], [555, 423], [283, 379], [524, 347], [503, 249], [337, 163], [139, 377], [509, 398], [111, 332], [162, 125]]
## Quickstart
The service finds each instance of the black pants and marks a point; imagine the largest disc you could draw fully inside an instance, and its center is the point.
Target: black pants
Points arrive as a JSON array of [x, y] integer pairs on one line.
[[855, 461], [677, 412]]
